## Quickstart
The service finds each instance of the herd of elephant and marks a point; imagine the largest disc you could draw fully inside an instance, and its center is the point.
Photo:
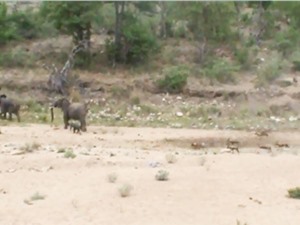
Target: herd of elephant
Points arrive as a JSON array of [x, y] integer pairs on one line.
[[71, 111]]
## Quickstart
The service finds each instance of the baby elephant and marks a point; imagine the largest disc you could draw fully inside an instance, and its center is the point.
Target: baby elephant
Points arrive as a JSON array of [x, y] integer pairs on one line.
[[71, 111], [9, 106], [75, 127]]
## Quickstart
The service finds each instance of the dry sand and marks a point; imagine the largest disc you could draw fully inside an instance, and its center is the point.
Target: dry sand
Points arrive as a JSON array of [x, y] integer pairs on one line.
[[204, 188]]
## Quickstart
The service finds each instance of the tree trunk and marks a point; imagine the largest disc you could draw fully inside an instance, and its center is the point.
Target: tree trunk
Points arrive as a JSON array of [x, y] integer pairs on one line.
[[237, 7], [119, 11], [163, 30]]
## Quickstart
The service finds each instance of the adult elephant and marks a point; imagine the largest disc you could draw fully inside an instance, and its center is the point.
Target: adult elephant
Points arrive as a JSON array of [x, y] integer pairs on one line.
[[71, 111]]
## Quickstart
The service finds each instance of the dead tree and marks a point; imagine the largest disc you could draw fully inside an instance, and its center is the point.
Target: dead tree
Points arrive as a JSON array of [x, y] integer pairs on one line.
[[60, 81]]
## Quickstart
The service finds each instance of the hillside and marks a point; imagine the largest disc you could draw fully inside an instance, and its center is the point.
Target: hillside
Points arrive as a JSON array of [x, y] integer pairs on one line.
[[193, 113]]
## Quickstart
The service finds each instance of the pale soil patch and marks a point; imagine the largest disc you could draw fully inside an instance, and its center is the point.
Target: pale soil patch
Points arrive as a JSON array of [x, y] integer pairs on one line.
[[224, 188]]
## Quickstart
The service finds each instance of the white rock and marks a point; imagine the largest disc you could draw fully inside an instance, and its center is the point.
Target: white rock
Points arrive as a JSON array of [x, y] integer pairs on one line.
[[293, 118], [179, 114]]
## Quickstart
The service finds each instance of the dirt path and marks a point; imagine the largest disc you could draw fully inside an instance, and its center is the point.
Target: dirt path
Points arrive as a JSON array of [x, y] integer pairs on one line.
[[205, 185]]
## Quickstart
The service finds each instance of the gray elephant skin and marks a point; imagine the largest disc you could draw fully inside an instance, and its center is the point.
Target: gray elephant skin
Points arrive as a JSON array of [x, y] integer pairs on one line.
[[71, 111], [9, 106]]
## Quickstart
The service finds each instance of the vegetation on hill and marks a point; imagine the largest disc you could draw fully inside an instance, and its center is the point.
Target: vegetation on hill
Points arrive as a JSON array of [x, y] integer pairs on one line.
[[226, 37], [153, 63]]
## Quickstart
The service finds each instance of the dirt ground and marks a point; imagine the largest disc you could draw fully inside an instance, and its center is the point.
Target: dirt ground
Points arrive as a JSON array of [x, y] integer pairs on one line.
[[205, 186]]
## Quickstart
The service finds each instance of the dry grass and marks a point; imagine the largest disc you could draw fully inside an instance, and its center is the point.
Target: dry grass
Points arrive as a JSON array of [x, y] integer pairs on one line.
[[112, 177], [125, 190], [171, 158], [30, 147], [162, 175]]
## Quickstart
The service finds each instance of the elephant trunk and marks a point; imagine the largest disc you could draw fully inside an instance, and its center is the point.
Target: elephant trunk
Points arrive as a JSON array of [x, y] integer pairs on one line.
[[52, 114]]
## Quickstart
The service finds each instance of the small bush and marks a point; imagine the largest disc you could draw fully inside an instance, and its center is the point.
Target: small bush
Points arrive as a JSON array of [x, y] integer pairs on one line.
[[162, 175], [119, 92], [179, 30], [286, 41], [171, 158], [284, 46], [294, 192], [18, 25], [112, 177], [28, 148], [220, 70], [242, 55], [296, 60], [17, 58], [175, 79], [69, 154], [202, 161], [25, 24], [37, 196], [61, 150], [125, 190], [135, 100], [269, 70], [34, 106]]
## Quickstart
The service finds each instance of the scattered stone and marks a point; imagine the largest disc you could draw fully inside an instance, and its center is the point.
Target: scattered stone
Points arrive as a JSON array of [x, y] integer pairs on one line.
[[179, 114], [154, 164], [293, 118], [285, 82], [198, 145], [225, 150]]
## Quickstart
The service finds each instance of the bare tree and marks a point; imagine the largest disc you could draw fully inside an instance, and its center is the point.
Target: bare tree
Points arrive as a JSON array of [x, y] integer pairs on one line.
[[60, 81]]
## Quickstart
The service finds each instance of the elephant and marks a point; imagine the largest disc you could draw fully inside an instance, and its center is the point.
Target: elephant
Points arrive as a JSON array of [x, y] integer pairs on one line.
[[75, 127], [9, 106], [71, 111]]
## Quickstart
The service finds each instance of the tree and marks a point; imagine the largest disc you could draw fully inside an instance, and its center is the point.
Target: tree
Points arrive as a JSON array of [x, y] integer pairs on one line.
[[291, 10], [72, 18], [208, 20], [133, 40], [60, 81], [8, 30]]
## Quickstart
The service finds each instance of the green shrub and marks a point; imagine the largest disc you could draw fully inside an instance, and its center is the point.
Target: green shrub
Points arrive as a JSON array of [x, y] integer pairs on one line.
[[296, 61], [7, 30], [175, 79], [25, 24], [242, 55], [125, 190], [179, 30], [111, 50], [269, 70], [220, 70], [284, 46], [286, 41], [162, 175], [136, 45], [17, 25], [69, 154], [246, 19], [294, 192], [17, 58]]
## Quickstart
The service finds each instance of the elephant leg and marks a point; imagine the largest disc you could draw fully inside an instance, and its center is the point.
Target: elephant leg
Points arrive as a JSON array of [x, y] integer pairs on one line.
[[18, 117], [3, 114], [10, 116], [66, 121], [83, 125]]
